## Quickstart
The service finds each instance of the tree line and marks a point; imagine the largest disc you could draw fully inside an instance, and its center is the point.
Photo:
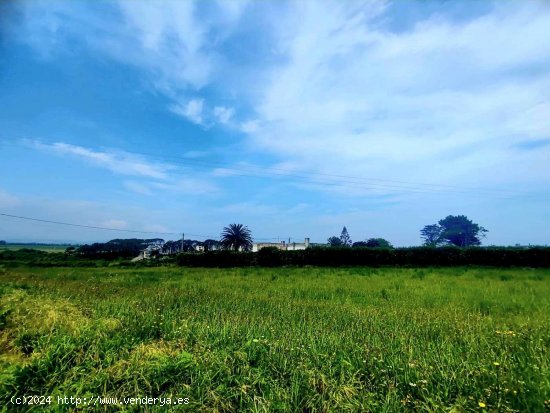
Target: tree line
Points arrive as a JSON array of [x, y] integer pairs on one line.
[[453, 230]]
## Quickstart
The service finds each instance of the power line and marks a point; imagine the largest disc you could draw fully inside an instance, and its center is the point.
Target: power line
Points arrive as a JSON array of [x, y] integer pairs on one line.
[[391, 185], [111, 229], [87, 226]]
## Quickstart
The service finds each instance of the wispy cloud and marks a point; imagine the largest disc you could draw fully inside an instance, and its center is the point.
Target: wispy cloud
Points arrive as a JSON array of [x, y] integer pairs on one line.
[[119, 162], [190, 184], [338, 89], [138, 187], [192, 110], [174, 44], [223, 114], [354, 97], [160, 177]]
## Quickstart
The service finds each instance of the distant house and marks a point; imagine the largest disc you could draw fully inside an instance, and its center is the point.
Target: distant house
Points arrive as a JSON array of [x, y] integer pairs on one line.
[[291, 246]]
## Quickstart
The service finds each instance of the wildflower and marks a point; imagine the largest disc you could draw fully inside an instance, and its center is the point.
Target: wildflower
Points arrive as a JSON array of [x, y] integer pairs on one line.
[[412, 384], [496, 363], [482, 405]]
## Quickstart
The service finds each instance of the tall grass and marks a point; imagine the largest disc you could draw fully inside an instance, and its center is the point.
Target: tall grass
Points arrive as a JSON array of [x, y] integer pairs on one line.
[[282, 339]]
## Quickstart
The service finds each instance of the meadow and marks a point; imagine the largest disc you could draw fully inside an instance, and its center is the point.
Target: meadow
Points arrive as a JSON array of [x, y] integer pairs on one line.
[[38, 247], [278, 339]]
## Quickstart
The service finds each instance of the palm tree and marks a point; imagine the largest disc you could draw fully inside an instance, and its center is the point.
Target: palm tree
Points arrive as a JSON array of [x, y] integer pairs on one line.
[[236, 236]]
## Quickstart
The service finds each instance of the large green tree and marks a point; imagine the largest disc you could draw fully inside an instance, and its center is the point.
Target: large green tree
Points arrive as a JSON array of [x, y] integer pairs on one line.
[[236, 237], [378, 243], [453, 230], [334, 242], [431, 235]]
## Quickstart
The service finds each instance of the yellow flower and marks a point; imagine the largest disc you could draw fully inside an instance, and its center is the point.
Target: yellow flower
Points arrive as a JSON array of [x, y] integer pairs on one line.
[[482, 405], [496, 363]]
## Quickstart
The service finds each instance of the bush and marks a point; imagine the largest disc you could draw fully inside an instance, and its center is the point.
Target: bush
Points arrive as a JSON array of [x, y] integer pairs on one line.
[[373, 257], [222, 259], [270, 257]]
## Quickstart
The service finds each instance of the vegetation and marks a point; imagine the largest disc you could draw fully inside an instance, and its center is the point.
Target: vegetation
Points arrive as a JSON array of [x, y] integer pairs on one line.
[[431, 235], [335, 257], [334, 241], [288, 339], [37, 258], [373, 243], [211, 245], [236, 237], [332, 257], [344, 237], [453, 230], [343, 240], [34, 246], [116, 248]]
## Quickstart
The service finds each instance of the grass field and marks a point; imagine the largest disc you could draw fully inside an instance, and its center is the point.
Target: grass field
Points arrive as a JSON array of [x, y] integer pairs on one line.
[[285, 339], [46, 248]]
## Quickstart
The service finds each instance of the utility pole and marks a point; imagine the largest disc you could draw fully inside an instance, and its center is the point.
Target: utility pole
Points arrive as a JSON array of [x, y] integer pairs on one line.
[[182, 238]]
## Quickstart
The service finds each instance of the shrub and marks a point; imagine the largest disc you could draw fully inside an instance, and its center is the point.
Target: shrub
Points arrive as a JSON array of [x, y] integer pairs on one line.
[[373, 257]]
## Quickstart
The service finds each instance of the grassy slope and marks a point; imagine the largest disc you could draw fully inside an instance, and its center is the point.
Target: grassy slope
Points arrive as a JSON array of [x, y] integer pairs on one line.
[[301, 339]]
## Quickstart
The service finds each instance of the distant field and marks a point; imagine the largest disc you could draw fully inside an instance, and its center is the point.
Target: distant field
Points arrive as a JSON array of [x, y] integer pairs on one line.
[[286, 339], [47, 248]]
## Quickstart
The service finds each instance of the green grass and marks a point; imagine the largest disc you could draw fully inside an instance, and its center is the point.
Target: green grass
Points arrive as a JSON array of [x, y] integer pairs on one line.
[[46, 248], [285, 339]]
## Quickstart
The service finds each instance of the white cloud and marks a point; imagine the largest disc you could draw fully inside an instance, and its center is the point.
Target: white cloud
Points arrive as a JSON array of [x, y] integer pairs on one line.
[[174, 43], [223, 114], [158, 178], [342, 92], [192, 110], [352, 97], [119, 162], [188, 185], [250, 127]]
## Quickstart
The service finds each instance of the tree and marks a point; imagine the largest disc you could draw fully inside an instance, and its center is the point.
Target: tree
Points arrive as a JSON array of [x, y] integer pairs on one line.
[[188, 245], [460, 231], [236, 237], [334, 242], [344, 238], [211, 245], [431, 234], [378, 243], [359, 244]]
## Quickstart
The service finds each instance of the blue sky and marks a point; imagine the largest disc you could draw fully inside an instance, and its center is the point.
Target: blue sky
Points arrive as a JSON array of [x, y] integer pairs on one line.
[[294, 118]]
